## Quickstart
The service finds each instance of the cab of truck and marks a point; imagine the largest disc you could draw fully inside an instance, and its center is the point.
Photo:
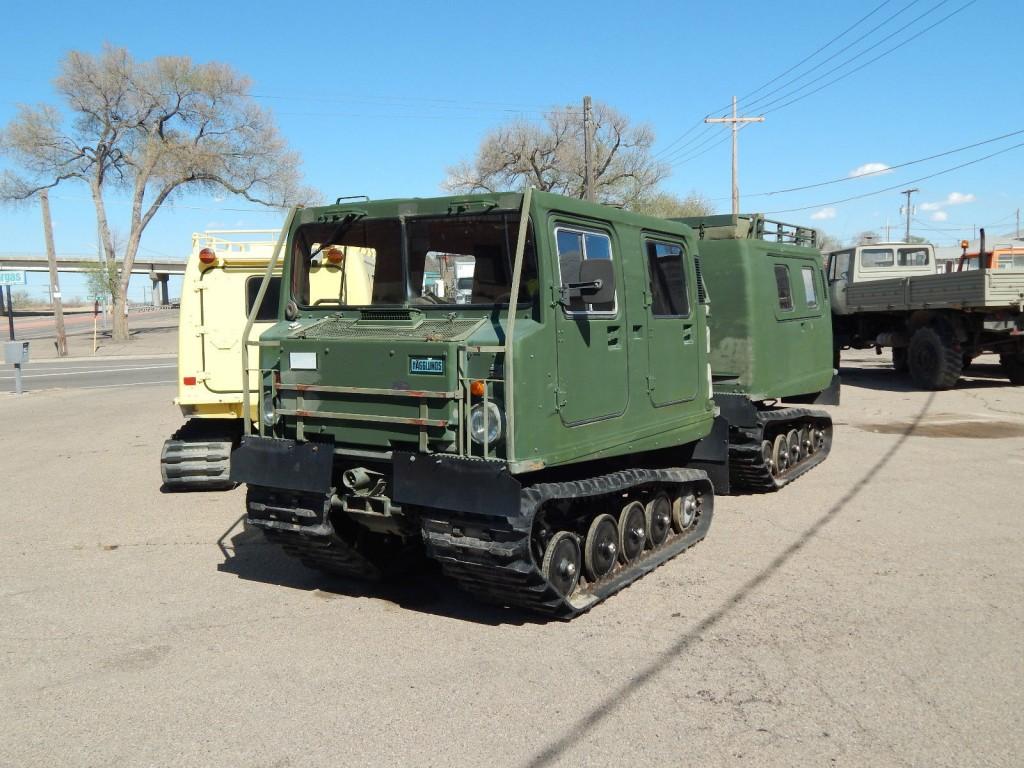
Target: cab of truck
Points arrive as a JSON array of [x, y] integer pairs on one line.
[[875, 261], [1000, 257]]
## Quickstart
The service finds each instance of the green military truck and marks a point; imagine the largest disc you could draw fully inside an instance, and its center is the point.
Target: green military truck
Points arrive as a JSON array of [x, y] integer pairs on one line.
[[889, 295], [547, 441]]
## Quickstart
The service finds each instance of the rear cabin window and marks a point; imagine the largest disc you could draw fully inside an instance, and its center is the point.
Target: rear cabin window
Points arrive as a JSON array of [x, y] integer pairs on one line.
[[668, 279], [810, 289], [268, 309], [574, 247], [783, 287], [913, 257], [876, 258]]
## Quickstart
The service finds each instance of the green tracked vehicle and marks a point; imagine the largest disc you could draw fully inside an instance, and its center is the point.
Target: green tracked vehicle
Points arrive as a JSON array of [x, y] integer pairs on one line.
[[546, 451], [771, 342]]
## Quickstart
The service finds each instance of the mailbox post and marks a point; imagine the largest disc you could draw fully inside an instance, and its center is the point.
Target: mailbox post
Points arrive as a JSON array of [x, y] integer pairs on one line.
[[16, 353]]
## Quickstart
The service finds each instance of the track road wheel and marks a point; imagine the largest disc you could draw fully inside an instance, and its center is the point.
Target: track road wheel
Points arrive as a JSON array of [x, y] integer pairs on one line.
[[934, 363], [796, 451], [561, 566], [632, 531], [806, 443], [601, 549], [1013, 367], [684, 512], [768, 456], [780, 455], [658, 512]]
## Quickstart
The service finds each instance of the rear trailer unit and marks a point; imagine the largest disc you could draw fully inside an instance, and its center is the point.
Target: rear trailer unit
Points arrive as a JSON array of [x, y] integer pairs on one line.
[[770, 343]]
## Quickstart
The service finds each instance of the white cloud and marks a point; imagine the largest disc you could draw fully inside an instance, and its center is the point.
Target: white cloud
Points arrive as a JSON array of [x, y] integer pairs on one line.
[[872, 169], [957, 198], [824, 213], [953, 198]]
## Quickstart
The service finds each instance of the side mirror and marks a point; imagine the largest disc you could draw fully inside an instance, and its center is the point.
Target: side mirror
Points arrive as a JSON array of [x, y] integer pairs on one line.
[[597, 281]]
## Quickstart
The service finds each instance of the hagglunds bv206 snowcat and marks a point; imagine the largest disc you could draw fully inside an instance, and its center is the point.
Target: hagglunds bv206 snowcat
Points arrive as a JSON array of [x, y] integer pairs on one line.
[[771, 342], [546, 456], [538, 440]]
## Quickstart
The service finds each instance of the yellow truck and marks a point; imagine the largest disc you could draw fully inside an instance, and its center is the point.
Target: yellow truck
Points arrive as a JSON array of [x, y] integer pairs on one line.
[[221, 283]]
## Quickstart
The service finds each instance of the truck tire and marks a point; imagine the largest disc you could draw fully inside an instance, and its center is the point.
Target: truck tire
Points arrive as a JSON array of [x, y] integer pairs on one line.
[[1013, 367], [933, 362], [899, 359]]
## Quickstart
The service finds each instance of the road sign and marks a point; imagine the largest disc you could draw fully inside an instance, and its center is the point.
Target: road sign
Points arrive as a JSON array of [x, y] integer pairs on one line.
[[10, 277]]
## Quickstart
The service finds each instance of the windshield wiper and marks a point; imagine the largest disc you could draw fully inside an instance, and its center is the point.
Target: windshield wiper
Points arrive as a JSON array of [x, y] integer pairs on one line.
[[347, 221]]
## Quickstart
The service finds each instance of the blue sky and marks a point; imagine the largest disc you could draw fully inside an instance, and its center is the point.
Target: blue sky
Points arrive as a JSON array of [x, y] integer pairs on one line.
[[379, 98]]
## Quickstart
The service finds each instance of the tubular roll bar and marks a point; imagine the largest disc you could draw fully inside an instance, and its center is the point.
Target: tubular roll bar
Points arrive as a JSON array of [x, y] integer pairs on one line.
[[251, 319]]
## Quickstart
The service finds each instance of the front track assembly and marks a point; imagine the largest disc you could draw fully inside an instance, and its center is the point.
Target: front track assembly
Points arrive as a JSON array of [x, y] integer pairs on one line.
[[575, 543], [782, 445], [572, 545]]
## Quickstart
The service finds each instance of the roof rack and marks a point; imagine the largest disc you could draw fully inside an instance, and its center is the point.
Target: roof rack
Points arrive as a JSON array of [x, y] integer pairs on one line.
[[751, 226]]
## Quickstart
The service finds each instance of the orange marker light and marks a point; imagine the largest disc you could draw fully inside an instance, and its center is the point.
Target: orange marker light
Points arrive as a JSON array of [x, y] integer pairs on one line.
[[335, 255], [476, 389], [189, 381], [207, 256]]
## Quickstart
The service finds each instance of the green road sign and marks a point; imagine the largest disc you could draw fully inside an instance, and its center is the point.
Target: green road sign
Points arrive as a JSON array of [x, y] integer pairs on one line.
[[10, 277]]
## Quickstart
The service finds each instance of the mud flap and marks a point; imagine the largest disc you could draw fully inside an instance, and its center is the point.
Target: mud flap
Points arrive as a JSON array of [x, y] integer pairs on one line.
[[711, 454], [454, 484], [827, 396], [286, 464]]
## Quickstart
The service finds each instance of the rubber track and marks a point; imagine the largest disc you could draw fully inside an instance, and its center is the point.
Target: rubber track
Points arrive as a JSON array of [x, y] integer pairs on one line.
[[196, 464], [747, 470], [497, 565]]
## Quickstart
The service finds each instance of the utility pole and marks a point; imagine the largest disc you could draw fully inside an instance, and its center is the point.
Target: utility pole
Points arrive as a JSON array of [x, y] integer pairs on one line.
[[887, 229], [51, 258], [908, 193], [735, 120], [588, 164], [1018, 224]]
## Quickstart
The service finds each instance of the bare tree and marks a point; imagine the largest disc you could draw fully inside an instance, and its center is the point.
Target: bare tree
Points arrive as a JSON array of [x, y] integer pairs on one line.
[[148, 130], [550, 157], [827, 242], [666, 205]]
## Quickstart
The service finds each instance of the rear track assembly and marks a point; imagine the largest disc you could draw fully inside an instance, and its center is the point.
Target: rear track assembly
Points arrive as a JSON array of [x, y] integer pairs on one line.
[[784, 444]]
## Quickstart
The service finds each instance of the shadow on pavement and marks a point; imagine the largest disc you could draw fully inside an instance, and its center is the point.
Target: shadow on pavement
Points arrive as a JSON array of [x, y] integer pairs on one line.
[[248, 555], [609, 706], [885, 379]]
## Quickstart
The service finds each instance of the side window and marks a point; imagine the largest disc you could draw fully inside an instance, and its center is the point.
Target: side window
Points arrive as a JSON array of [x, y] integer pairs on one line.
[[782, 285], [913, 257], [876, 258], [810, 289], [839, 265], [268, 309], [574, 247], [668, 279]]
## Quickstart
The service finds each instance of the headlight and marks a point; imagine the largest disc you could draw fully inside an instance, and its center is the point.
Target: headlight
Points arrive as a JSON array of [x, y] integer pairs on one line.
[[269, 414], [495, 423]]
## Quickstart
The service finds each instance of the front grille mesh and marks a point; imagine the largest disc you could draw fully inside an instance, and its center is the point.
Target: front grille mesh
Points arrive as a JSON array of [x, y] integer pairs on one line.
[[427, 330]]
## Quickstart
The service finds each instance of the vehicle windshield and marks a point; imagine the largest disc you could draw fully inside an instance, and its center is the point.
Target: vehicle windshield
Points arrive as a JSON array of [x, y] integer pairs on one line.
[[446, 260]]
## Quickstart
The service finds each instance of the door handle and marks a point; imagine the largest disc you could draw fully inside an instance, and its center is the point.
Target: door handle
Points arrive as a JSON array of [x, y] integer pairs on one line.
[[687, 334]]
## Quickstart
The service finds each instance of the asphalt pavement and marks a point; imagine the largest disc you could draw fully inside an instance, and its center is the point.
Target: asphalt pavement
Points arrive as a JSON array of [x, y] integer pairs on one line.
[[869, 614], [87, 373]]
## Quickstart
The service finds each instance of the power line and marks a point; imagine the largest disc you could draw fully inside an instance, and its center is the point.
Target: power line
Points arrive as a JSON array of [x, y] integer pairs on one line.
[[668, 148], [887, 169], [867, 63], [822, 48], [897, 186], [870, 32]]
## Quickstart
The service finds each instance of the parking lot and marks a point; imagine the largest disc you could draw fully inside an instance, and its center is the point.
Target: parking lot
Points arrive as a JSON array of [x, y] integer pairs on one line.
[[869, 614]]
